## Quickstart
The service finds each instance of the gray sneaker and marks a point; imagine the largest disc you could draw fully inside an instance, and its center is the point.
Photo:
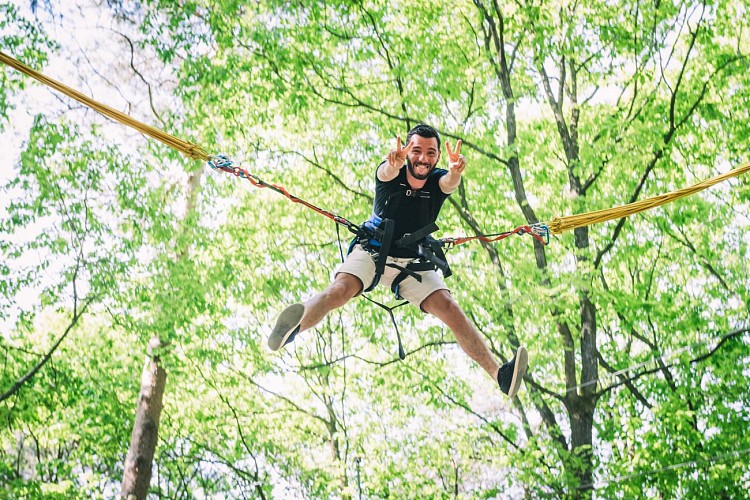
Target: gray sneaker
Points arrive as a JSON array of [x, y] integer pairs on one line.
[[510, 375], [287, 327]]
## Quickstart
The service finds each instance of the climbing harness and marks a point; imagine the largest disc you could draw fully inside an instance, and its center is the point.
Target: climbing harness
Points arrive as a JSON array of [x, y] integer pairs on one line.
[[376, 237]]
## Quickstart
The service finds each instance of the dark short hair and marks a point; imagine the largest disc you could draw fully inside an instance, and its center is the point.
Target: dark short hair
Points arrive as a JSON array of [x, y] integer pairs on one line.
[[423, 130]]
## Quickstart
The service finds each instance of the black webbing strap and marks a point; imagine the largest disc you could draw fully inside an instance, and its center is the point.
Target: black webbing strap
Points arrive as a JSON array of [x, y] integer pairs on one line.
[[431, 257], [385, 245], [387, 227], [412, 269], [433, 252], [428, 249], [419, 234], [430, 253], [401, 352], [364, 234]]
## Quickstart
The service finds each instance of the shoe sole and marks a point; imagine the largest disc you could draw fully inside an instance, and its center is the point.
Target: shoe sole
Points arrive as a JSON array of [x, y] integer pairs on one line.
[[522, 361], [288, 321]]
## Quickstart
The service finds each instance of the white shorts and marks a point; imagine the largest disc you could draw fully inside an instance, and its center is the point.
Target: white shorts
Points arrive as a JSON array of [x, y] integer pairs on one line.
[[360, 263]]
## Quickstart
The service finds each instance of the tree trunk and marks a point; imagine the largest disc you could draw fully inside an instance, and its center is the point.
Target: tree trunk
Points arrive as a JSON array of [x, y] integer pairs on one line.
[[581, 426], [137, 475]]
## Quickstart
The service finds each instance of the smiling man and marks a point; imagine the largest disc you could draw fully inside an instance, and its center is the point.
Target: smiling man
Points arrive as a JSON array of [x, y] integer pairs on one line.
[[409, 193]]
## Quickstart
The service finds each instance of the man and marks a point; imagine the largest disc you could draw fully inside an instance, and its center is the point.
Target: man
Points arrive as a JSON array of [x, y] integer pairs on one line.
[[410, 191]]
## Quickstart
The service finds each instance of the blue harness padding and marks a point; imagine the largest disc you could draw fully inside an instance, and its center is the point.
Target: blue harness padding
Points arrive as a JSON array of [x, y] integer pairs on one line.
[[371, 227]]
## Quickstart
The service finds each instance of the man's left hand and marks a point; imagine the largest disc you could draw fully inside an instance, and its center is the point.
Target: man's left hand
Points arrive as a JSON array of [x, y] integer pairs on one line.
[[456, 161]]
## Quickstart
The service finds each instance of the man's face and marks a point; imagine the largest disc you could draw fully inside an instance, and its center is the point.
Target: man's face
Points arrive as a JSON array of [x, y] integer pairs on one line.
[[423, 156]]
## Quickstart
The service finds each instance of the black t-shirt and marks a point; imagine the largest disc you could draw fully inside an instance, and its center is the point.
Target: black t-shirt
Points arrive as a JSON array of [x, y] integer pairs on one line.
[[410, 209]]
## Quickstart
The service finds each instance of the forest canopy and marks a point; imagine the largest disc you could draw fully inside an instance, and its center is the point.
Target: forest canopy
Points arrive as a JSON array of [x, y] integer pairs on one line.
[[139, 285]]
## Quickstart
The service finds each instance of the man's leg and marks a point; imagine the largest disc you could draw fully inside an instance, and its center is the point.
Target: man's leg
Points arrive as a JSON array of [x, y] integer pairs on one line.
[[358, 268], [343, 288], [443, 306], [297, 317]]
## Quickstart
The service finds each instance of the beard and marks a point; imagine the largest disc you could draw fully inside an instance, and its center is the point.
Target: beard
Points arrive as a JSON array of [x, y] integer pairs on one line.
[[411, 166]]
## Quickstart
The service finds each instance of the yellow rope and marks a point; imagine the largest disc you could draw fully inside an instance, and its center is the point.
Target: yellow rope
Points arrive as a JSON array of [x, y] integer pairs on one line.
[[191, 150], [557, 225], [561, 224]]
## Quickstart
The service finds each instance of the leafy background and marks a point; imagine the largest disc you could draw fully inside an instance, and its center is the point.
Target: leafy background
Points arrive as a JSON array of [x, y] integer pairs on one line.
[[637, 329]]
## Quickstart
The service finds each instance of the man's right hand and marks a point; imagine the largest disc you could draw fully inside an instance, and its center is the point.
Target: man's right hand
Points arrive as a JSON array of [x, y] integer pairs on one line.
[[389, 169], [397, 157]]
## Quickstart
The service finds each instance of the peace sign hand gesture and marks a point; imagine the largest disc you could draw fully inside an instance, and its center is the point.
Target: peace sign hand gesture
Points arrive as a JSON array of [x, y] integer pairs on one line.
[[456, 161], [397, 157]]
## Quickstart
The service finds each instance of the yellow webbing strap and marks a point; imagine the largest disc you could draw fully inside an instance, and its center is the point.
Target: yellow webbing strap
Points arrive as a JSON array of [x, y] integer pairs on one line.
[[192, 150], [561, 224], [556, 226]]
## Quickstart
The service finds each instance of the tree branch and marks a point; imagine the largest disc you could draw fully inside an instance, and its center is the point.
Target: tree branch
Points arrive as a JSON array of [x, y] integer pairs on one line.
[[74, 320], [724, 338]]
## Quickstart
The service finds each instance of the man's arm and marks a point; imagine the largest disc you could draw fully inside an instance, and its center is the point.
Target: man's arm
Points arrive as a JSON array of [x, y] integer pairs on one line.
[[387, 172], [456, 165], [391, 166], [449, 182]]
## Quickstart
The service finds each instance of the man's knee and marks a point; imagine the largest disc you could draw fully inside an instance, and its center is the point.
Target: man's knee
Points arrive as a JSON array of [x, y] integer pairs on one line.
[[345, 286], [440, 302]]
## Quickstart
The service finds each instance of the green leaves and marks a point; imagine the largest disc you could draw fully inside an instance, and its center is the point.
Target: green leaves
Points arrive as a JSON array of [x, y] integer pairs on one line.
[[25, 40], [309, 97]]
